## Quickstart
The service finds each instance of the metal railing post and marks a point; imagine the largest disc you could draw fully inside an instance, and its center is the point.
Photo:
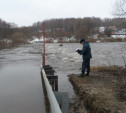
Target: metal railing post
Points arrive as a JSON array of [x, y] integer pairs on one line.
[[52, 99]]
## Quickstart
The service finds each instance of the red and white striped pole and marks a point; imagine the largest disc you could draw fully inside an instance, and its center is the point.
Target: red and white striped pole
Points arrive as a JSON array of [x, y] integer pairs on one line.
[[44, 44]]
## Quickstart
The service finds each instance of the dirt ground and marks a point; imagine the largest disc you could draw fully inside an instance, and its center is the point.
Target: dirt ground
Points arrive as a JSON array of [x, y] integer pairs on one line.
[[104, 91]]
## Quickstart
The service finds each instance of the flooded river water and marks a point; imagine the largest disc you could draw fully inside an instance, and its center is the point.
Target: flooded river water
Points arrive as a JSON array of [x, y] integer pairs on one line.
[[66, 61], [20, 80]]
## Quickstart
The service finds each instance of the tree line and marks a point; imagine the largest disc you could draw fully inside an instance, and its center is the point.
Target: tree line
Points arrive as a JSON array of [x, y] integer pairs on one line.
[[78, 27], [59, 28]]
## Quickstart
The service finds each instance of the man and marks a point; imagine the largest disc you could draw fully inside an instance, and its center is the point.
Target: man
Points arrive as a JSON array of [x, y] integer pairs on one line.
[[86, 53]]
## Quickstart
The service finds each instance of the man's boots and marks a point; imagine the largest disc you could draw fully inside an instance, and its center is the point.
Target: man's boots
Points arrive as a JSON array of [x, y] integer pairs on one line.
[[87, 74], [81, 75]]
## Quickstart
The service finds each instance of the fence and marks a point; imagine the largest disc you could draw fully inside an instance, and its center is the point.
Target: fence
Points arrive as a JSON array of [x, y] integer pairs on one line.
[[52, 100]]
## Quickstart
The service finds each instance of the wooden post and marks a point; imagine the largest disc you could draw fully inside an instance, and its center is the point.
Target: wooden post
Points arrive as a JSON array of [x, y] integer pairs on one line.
[[56, 85]]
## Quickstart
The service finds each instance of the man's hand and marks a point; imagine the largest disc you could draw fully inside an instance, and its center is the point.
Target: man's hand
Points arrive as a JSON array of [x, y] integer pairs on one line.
[[77, 50]]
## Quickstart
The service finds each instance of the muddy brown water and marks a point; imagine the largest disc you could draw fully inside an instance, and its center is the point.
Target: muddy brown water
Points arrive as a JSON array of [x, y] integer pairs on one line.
[[20, 80]]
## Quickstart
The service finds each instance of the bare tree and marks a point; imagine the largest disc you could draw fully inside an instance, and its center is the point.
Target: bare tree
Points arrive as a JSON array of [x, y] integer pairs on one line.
[[120, 8]]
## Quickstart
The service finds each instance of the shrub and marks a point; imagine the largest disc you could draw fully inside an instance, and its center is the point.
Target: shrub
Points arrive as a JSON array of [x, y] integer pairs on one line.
[[18, 38]]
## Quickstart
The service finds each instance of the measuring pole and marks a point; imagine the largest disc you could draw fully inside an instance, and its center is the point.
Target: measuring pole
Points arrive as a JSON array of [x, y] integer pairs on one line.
[[44, 44]]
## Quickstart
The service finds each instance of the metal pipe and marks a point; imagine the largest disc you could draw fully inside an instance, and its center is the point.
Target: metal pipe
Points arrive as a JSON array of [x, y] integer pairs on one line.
[[52, 99]]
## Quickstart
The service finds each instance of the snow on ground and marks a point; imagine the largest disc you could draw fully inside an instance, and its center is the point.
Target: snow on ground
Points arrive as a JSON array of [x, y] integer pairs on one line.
[[36, 40]]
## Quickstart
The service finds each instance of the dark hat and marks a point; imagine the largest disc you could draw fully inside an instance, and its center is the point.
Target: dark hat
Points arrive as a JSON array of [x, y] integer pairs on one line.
[[82, 40]]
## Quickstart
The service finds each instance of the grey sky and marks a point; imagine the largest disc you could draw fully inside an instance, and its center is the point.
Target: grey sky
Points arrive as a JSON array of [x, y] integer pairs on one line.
[[26, 12]]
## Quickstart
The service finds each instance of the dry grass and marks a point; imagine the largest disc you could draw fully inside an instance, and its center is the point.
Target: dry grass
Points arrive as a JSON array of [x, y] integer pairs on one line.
[[105, 68], [104, 91], [114, 70], [121, 77], [113, 40], [3, 44], [91, 40]]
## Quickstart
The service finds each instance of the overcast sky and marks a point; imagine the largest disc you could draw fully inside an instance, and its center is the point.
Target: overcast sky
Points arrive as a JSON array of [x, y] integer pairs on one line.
[[26, 12]]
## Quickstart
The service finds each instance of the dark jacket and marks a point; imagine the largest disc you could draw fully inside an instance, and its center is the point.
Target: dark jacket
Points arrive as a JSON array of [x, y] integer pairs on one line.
[[86, 51]]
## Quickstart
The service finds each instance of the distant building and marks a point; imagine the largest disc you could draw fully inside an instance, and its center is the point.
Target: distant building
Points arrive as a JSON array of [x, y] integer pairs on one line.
[[37, 40], [121, 34], [113, 29], [122, 31], [49, 40], [102, 29], [95, 36]]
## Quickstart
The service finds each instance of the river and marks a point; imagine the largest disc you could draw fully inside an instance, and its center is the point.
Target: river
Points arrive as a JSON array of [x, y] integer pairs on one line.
[[66, 61], [20, 80]]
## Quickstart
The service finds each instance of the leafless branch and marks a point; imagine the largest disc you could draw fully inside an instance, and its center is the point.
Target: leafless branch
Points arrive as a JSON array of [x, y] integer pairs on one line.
[[120, 8]]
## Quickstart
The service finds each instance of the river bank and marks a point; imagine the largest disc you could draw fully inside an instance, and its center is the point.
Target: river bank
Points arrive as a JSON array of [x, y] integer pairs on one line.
[[104, 91], [5, 45]]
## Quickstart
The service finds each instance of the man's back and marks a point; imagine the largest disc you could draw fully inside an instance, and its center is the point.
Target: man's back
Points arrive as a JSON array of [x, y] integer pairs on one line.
[[86, 51]]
